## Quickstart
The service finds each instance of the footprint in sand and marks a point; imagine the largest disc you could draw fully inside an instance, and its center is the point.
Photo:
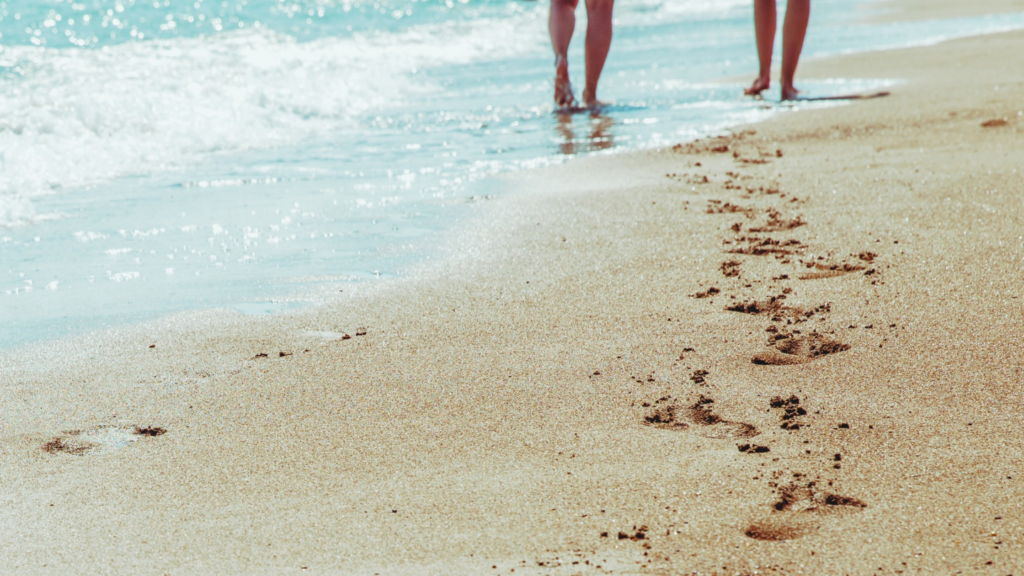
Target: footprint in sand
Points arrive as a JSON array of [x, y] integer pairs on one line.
[[799, 350], [777, 223], [757, 246], [791, 411], [795, 497], [712, 425], [773, 306], [668, 414], [832, 270], [797, 511], [777, 529], [665, 414], [99, 440]]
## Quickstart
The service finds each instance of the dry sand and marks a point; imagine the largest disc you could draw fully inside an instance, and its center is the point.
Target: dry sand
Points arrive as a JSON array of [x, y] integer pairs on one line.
[[554, 398], [889, 10]]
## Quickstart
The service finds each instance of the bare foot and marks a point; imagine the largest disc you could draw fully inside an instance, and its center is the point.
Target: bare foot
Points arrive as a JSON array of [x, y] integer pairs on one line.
[[563, 88], [790, 93], [590, 100], [759, 85]]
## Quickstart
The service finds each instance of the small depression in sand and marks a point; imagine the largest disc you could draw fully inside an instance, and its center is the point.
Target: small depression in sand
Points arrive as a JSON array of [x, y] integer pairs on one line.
[[808, 497], [776, 531], [834, 270], [812, 346], [796, 511], [99, 440], [667, 414], [800, 350]]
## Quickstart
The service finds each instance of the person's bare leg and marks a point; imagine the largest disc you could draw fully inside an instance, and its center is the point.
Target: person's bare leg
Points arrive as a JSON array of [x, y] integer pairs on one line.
[[561, 24], [764, 30], [599, 41], [794, 29]]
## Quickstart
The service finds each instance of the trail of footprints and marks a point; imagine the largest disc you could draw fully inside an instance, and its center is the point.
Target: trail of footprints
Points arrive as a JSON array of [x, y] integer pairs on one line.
[[766, 233], [800, 502], [759, 237]]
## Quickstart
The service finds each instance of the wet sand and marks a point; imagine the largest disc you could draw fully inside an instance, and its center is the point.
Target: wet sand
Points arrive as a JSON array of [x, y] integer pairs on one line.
[[795, 349]]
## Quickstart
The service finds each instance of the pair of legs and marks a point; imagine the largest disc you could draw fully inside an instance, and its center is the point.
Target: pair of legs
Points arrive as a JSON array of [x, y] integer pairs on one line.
[[561, 24], [798, 13]]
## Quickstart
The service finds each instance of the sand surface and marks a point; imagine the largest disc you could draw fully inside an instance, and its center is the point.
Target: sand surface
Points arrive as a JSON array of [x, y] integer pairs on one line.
[[937, 9], [796, 349]]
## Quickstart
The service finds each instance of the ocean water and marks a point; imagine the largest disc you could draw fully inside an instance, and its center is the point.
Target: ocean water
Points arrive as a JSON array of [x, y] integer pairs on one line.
[[167, 155]]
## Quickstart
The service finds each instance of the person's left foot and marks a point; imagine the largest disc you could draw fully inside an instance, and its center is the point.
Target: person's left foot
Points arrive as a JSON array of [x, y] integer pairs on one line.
[[790, 93], [590, 99]]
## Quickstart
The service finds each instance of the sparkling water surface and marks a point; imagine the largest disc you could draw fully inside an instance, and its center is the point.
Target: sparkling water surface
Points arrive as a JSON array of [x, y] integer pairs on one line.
[[169, 155]]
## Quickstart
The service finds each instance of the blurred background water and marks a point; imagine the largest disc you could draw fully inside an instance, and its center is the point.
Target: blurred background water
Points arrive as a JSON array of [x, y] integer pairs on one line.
[[167, 155]]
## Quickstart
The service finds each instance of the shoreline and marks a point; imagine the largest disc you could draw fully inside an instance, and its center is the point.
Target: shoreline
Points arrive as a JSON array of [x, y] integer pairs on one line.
[[152, 310], [497, 410]]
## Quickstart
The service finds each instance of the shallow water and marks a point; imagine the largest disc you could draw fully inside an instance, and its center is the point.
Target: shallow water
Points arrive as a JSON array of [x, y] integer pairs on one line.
[[168, 155]]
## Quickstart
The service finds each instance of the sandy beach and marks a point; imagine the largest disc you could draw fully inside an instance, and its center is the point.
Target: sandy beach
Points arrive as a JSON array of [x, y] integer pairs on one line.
[[795, 349]]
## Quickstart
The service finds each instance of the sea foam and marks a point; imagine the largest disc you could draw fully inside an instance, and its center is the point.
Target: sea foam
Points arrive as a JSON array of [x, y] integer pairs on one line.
[[74, 117]]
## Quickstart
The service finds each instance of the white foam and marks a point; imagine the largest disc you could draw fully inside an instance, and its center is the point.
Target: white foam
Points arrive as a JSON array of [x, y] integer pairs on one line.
[[83, 236], [123, 276], [73, 117], [15, 209], [649, 11]]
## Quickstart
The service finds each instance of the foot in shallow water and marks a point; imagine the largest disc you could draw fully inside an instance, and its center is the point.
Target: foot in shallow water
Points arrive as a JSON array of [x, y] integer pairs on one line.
[[759, 85], [790, 93], [564, 97], [590, 100]]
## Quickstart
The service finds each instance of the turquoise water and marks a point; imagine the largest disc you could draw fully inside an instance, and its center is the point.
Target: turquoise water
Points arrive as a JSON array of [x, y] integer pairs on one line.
[[168, 155]]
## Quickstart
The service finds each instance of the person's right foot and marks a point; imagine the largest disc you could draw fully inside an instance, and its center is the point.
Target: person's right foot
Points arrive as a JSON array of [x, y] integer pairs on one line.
[[759, 85], [563, 88]]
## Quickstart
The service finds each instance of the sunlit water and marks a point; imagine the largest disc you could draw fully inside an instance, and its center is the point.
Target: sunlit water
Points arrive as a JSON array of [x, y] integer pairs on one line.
[[170, 155]]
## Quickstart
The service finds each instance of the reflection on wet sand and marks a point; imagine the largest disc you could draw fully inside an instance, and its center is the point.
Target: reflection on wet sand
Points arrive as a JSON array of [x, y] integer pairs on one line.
[[597, 124]]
